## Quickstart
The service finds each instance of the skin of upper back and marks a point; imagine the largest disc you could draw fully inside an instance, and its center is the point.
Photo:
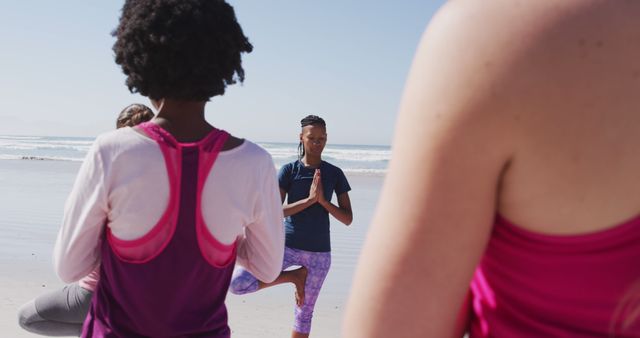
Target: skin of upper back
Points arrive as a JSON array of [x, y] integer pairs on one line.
[[567, 85], [529, 109]]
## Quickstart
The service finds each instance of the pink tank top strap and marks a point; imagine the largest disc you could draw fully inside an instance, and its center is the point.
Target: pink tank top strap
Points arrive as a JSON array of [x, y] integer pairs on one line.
[[215, 252], [158, 134], [147, 247], [213, 142]]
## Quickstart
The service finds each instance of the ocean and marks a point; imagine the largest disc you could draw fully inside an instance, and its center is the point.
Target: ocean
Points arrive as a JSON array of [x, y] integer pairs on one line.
[[352, 159]]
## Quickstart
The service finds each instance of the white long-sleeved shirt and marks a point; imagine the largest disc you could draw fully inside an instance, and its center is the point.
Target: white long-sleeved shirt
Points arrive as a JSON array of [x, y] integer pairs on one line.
[[123, 184]]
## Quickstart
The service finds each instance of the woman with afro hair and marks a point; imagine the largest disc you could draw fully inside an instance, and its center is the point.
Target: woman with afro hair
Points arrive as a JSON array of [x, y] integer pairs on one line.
[[167, 207]]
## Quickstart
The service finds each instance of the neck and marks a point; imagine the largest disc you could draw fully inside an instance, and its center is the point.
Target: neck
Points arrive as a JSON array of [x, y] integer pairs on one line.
[[183, 119], [310, 161]]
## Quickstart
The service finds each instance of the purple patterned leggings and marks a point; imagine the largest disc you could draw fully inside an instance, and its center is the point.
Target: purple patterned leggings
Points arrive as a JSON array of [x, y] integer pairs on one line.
[[317, 264]]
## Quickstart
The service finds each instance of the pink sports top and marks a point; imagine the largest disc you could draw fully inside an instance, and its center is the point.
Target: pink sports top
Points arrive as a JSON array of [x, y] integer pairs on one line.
[[535, 285], [147, 247], [171, 282]]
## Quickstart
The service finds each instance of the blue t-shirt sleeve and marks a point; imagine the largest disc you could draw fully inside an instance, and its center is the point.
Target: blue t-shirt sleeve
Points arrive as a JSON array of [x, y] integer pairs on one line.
[[285, 176], [342, 185]]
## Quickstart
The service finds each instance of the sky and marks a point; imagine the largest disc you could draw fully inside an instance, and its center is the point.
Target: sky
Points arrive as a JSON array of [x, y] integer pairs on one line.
[[345, 61]]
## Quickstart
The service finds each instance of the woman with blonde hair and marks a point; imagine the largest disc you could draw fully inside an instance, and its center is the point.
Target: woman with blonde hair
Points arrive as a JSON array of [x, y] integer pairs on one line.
[[62, 312]]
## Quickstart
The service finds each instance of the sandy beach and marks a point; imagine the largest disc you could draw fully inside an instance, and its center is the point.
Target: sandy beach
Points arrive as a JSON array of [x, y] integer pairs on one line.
[[31, 204]]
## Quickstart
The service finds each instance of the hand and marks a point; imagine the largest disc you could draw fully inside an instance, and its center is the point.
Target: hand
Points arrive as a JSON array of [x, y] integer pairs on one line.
[[320, 190], [313, 190]]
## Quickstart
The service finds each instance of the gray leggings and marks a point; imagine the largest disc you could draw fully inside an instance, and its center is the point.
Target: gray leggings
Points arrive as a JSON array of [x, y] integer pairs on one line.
[[57, 313]]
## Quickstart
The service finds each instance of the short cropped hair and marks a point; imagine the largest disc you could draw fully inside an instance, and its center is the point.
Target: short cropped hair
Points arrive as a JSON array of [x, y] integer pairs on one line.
[[180, 49]]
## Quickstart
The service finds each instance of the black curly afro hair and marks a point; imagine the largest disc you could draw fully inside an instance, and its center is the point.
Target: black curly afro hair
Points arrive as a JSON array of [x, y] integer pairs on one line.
[[180, 49]]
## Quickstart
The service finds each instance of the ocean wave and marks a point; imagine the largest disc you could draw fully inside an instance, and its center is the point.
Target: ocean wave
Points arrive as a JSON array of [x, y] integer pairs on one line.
[[356, 159], [350, 171], [282, 153], [8, 137], [337, 154], [358, 155], [40, 158], [45, 146], [365, 172], [83, 141]]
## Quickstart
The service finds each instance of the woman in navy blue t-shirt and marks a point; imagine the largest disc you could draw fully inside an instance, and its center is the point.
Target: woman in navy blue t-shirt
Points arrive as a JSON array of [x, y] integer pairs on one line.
[[308, 184]]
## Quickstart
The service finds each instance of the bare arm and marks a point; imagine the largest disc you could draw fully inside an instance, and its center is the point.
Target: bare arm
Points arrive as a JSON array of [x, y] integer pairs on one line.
[[437, 206], [296, 207], [342, 212]]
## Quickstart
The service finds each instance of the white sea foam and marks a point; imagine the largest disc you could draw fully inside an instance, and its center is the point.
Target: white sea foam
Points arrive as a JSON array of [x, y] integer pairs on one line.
[[44, 146], [340, 153], [357, 155], [353, 159], [366, 172], [9, 137], [39, 158]]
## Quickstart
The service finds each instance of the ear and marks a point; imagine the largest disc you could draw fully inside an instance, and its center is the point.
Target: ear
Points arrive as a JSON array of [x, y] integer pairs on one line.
[[300, 137]]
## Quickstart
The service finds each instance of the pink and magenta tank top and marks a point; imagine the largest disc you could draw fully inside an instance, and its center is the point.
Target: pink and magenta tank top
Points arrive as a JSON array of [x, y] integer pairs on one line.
[[535, 285], [172, 282]]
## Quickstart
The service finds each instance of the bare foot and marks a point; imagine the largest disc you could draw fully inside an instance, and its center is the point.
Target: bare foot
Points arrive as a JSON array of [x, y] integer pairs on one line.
[[299, 280]]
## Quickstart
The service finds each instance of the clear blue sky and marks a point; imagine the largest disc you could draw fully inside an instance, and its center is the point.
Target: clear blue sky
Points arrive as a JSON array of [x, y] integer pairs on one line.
[[343, 60]]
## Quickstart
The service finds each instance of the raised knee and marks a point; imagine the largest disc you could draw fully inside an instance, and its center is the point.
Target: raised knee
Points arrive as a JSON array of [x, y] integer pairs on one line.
[[240, 286], [23, 321], [26, 315], [235, 287]]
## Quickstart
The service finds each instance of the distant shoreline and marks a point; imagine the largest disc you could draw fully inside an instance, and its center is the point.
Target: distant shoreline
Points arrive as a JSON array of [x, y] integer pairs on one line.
[[354, 172], [92, 138], [366, 160]]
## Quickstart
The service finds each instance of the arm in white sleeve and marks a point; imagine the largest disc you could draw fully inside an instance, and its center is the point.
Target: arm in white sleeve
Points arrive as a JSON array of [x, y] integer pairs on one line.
[[77, 249], [262, 248]]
